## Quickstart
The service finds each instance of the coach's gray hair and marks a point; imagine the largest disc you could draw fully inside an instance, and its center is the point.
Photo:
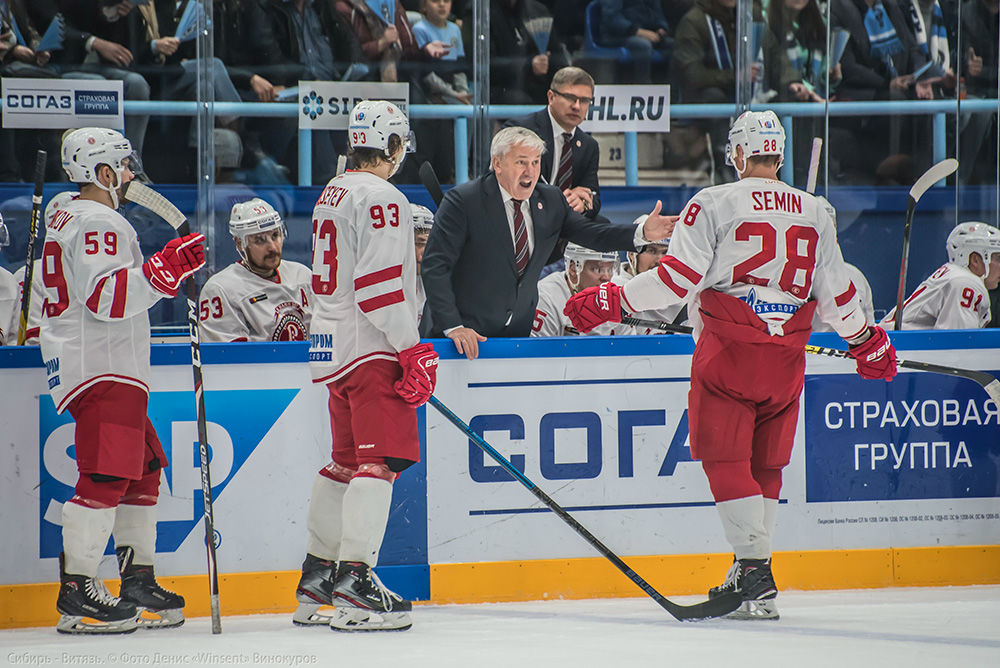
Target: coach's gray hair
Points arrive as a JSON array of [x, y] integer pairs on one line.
[[504, 140]]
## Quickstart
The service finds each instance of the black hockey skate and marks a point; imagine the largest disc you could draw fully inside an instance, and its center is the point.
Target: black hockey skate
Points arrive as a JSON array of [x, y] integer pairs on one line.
[[752, 578], [88, 607], [158, 608], [315, 592], [365, 604]]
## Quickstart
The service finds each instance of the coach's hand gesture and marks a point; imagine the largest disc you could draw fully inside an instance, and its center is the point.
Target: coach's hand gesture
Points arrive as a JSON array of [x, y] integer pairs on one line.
[[657, 225]]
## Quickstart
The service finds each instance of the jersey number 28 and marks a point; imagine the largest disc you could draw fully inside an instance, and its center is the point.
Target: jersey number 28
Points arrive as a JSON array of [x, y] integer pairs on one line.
[[800, 254]]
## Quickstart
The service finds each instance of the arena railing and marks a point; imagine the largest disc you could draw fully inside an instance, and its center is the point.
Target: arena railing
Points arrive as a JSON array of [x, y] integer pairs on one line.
[[460, 115]]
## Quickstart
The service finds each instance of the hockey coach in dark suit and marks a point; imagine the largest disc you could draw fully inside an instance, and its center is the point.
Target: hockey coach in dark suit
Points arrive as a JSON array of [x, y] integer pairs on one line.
[[491, 238], [572, 156]]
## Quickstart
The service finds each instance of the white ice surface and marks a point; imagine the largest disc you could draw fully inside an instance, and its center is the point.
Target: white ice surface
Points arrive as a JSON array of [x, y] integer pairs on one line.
[[947, 627]]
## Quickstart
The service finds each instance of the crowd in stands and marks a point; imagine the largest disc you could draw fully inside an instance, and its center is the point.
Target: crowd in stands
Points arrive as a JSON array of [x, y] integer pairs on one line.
[[896, 50]]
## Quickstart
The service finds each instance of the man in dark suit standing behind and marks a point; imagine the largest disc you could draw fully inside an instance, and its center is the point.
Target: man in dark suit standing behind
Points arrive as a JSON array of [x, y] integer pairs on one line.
[[492, 236], [571, 157]]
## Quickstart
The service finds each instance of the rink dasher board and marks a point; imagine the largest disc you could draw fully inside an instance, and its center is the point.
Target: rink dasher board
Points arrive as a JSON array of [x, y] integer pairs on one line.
[[604, 434]]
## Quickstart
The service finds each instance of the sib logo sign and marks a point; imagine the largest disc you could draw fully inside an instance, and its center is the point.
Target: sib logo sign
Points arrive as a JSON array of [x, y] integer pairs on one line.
[[238, 422]]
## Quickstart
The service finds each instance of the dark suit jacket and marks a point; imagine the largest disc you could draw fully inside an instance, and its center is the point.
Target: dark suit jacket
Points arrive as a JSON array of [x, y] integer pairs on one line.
[[586, 155], [468, 269]]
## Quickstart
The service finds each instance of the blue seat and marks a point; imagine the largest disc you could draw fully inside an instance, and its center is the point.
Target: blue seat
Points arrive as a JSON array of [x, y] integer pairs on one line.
[[592, 46]]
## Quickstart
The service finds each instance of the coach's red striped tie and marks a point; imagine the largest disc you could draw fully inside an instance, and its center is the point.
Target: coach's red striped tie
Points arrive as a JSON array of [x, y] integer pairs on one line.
[[521, 254]]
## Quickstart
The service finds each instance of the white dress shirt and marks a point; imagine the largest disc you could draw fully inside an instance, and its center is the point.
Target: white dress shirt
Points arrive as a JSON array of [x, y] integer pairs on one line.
[[557, 147]]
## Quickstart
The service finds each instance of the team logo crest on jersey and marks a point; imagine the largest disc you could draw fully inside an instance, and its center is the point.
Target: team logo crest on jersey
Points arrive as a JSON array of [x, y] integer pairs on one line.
[[290, 322]]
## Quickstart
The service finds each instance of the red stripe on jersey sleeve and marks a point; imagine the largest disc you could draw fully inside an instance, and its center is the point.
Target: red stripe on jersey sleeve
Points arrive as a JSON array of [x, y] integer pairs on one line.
[[847, 295], [681, 268], [669, 282], [378, 277], [911, 298], [121, 292], [94, 301], [369, 305]]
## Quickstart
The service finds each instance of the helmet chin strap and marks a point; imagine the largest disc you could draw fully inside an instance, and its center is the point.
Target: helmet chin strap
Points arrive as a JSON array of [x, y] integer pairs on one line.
[[112, 190]]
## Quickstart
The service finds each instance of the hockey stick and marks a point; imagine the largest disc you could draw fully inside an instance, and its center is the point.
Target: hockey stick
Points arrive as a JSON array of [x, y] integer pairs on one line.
[[160, 205], [431, 183], [988, 382], [814, 165], [714, 607], [29, 267], [929, 178]]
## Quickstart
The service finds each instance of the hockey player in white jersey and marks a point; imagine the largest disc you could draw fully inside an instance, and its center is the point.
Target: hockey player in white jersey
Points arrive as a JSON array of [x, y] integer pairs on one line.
[[365, 348], [857, 279], [584, 268], [57, 203], [955, 296], [95, 344], [645, 258], [753, 259], [423, 221], [10, 303], [262, 297]]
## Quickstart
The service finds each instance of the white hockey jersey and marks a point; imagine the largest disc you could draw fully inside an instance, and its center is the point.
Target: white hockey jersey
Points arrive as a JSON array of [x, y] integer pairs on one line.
[[864, 294], [238, 305], [668, 314], [364, 276], [35, 306], [950, 298], [10, 308], [95, 325], [759, 240], [553, 293]]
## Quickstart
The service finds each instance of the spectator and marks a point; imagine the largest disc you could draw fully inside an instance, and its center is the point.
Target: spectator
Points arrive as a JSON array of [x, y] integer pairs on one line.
[[262, 297], [571, 157], [977, 162], [956, 295], [878, 64], [644, 258], [639, 26], [312, 34], [584, 268], [799, 31], [491, 238], [520, 72], [391, 45], [98, 45], [18, 30], [704, 62], [453, 88]]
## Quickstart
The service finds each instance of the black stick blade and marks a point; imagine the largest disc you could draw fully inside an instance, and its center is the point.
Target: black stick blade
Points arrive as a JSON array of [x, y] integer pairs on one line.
[[430, 181], [710, 609]]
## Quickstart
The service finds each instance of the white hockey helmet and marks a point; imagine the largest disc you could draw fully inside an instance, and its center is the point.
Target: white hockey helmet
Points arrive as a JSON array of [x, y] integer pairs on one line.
[[86, 148], [576, 255], [972, 237], [374, 122], [759, 133], [58, 203], [253, 217], [423, 219]]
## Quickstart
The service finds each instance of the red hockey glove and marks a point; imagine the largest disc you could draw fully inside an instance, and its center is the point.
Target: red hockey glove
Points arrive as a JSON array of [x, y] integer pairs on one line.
[[179, 259], [876, 357], [594, 306], [419, 374]]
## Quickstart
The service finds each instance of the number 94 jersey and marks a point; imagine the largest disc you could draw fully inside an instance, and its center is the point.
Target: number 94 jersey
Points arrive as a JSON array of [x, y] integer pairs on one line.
[[364, 276], [761, 241]]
